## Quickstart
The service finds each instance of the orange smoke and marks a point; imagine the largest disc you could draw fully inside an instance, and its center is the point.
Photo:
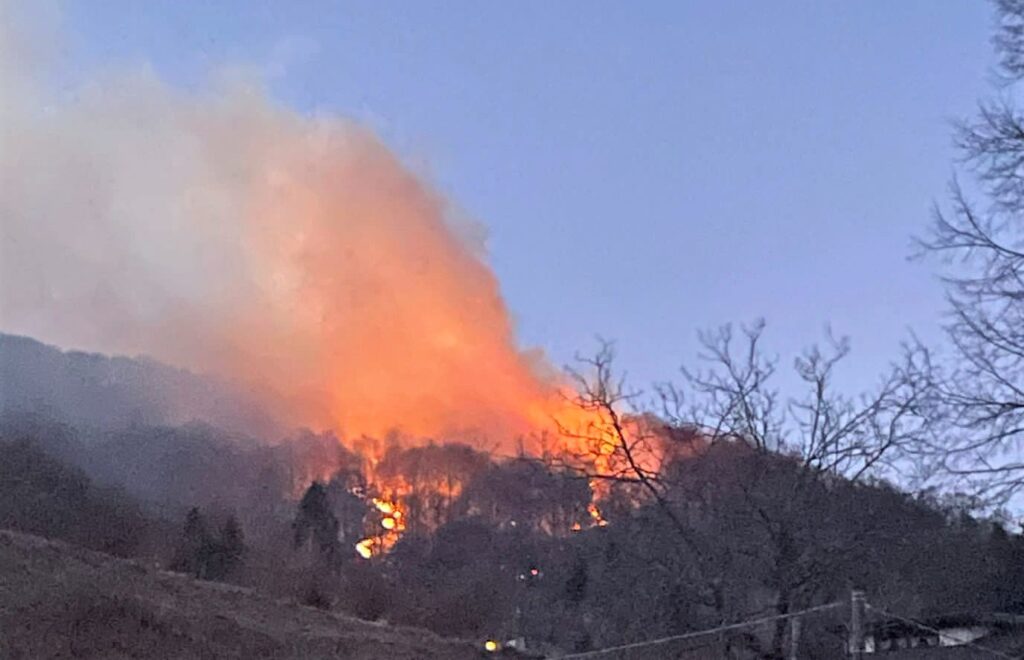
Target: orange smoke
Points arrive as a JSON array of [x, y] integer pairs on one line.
[[403, 321], [297, 255], [221, 232]]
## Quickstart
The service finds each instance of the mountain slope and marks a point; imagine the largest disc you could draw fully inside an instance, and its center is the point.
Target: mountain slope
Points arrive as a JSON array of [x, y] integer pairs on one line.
[[93, 391]]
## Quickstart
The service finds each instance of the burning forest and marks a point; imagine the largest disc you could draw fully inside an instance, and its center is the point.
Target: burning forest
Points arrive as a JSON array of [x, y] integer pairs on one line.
[[248, 334], [295, 257]]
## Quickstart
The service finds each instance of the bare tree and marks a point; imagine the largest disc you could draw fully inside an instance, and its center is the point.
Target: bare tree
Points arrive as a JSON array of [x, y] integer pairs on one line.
[[976, 394], [830, 432], [733, 398], [725, 448]]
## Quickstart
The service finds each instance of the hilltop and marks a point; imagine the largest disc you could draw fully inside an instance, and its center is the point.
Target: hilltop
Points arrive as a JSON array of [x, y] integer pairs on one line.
[[111, 393]]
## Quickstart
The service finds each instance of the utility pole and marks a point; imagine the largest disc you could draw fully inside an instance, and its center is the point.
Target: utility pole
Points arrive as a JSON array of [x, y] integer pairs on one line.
[[794, 637], [857, 624]]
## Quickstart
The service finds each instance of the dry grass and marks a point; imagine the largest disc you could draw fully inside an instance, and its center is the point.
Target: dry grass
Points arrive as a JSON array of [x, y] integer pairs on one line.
[[60, 601]]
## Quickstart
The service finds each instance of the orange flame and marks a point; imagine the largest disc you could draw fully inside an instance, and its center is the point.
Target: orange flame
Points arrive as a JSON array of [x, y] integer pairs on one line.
[[295, 254], [392, 524]]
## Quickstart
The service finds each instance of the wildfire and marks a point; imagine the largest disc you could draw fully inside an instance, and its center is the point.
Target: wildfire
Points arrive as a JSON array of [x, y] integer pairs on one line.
[[398, 473], [392, 516], [392, 524], [290, 253]]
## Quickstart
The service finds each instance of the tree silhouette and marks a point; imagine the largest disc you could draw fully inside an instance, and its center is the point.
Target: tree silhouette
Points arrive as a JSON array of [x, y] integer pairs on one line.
[[204, 556], [316, 523], [228, 550], [195, 548], [976, 393]]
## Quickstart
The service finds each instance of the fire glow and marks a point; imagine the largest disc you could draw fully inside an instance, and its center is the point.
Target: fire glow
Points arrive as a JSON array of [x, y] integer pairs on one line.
[[388, 513], [294, 255]]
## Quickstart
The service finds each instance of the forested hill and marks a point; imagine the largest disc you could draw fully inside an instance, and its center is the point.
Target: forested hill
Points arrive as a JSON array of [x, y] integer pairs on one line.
[[89, 390]]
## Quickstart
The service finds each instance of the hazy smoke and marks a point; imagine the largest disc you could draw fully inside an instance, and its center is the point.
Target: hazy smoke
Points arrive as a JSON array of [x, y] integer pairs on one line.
[[225, 233]]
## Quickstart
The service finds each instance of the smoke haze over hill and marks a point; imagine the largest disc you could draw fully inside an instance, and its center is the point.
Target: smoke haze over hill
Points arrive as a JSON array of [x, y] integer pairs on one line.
[[218, 231]]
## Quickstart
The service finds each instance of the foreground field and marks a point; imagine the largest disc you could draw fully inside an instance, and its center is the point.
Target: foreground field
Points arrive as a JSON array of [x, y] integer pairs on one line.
[[60, 601]]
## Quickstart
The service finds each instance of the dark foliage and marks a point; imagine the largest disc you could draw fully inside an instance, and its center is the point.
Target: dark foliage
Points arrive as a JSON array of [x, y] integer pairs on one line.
[[40, 495], [315, 524], [760, 531], [207, 556]]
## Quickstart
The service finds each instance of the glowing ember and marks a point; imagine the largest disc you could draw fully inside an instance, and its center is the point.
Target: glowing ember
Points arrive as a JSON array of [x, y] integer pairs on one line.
[[587, 440], [392, 523], [365, 548]]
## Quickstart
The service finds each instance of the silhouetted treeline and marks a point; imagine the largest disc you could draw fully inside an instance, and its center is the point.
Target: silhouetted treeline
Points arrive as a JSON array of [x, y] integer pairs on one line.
[[497, 554], [41, 495], [507, 548], [208, 555]]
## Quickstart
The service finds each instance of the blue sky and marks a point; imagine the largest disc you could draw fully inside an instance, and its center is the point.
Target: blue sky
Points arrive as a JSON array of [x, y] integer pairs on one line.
[[644, 169]]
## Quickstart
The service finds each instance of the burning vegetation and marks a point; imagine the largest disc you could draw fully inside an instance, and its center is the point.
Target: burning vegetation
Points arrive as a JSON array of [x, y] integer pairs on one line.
[[419, 487], [455, 480], [297, 257]]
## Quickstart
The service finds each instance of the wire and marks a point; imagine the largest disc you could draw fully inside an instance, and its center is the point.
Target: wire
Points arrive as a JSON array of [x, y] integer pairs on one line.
[[700, 633], [986, 649]]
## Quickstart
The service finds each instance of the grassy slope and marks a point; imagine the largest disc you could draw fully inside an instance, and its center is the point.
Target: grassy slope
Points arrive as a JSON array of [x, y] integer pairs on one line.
[[61, 601]]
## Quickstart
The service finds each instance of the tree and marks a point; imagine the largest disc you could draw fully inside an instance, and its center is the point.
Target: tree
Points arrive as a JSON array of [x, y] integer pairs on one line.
[[462, 580], [229, 549], [40, 494], [527, 494], [976, 394], [348, 507], [316, 524], [752, 483], [195, 548], [435, 476], [205, 556]]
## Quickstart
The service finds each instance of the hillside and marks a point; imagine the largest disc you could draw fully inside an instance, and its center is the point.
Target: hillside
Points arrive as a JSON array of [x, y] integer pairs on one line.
[[60, 601], [111, 393]]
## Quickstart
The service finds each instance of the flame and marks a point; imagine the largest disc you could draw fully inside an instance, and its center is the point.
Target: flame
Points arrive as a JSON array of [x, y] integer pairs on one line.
[[596, 446], [297, 255], [385, 507], [365, 548], [392, 522]]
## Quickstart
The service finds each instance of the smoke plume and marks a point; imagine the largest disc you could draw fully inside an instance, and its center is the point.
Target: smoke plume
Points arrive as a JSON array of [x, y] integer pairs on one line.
[[222, 232]]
